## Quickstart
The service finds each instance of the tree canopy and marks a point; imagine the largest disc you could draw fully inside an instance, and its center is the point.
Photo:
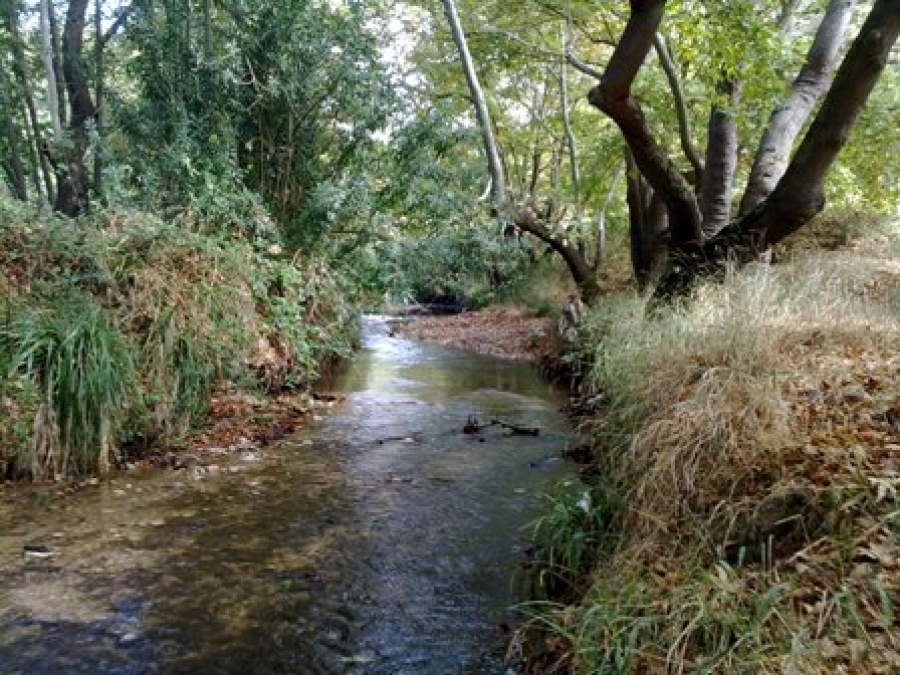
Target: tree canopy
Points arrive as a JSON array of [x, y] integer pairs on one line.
[[686, 129]]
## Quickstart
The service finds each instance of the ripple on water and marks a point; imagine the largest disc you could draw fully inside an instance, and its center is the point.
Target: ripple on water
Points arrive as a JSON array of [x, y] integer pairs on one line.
[[380, 540]]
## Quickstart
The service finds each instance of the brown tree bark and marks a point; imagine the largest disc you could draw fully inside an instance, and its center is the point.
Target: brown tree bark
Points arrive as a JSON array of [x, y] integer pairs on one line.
[[582, 273], [613, 96], [646, 225]]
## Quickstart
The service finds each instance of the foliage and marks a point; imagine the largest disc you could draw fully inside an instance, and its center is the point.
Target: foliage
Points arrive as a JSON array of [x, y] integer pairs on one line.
[[568, 539], [66, 349], [116, 332], [471, 263], [271, 103]]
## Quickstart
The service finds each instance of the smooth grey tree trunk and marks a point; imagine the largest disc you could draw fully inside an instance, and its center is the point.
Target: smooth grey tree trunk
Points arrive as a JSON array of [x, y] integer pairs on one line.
[[50, 70], [571, 144], [482, 114], [787, 119], [721, 162]]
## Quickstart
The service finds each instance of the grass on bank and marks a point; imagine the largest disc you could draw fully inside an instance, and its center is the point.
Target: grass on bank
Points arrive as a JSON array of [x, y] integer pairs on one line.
[[747, 447], [114, 330]]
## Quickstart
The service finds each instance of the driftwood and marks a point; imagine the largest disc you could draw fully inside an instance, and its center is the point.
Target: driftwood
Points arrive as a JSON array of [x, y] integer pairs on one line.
[[473, 426], [516, 429]]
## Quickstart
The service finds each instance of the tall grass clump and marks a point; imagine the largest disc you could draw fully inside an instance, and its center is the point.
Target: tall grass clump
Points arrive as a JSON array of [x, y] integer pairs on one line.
[[81, 368], [746, 441]]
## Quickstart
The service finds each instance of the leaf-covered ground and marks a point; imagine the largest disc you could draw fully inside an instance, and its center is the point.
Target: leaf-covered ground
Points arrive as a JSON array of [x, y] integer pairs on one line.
[[503, 332]]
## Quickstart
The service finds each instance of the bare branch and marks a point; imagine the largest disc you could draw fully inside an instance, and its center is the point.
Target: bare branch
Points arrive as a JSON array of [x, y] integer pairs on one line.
[[684, 122]]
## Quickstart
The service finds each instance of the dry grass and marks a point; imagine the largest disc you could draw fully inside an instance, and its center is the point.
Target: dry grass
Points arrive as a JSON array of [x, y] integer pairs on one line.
[[750, 440]]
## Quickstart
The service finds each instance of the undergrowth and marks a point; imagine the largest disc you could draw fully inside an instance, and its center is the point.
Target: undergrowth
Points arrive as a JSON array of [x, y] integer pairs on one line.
[[115, 328], [746, 447]]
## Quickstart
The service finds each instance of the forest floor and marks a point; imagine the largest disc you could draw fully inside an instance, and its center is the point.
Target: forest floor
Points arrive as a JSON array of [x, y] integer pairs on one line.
[[504, 332]]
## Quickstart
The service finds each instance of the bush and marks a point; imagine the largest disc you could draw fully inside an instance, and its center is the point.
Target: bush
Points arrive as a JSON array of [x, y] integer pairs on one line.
[[82, 368], [116, 329]]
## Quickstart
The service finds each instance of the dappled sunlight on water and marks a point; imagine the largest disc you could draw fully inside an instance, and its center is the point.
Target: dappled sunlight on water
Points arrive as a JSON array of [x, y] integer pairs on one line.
[[380, 539]]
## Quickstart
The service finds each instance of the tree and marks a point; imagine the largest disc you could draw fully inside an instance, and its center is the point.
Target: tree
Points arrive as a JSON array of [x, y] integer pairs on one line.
[[69, 155], [799, 194], [524, 210], [482, 114]]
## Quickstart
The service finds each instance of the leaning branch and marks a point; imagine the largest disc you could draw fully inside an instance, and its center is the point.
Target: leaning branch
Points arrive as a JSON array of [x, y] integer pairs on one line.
[[788, 118], [122, 17], [613, 96], [684, 122]]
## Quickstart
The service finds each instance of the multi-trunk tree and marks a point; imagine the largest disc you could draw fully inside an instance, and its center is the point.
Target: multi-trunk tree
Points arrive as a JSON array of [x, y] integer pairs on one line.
[[781, 196]]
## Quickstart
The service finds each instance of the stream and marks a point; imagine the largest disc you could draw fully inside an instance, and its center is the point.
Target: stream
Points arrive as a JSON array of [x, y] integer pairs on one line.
[[379, 539]]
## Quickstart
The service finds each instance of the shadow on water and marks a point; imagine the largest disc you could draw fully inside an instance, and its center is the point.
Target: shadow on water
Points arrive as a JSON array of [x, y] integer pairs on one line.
[[379, 540]]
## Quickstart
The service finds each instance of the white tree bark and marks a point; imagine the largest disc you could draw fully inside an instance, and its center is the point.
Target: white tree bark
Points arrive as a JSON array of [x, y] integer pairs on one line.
[[49, 70], [482, 114], [787, 119]]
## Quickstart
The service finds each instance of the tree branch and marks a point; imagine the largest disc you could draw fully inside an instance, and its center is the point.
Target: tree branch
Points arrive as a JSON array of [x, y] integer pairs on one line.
[[613, 97], [788, 118], [122, 18], [684, 122]]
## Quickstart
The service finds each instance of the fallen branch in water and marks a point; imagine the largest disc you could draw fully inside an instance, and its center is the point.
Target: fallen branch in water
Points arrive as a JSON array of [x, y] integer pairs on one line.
[[516, 429]]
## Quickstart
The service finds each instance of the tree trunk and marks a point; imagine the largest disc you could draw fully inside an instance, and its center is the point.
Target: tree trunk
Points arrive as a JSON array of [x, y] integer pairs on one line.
[[799, 195], [788, 118], [13, 165], [482, 114], [571, 144], [721, 162], [32, 125], [50, 70], [646, 226], [58, 66], [99, 94], [613, 97], [600, 249], [71, 172]]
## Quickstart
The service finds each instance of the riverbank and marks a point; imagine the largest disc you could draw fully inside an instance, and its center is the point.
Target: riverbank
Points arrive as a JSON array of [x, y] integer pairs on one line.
[[504, 332], [125, 339], [745, 515]]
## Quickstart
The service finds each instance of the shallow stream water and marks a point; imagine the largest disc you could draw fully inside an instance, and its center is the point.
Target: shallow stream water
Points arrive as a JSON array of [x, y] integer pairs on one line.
[[380, 539]]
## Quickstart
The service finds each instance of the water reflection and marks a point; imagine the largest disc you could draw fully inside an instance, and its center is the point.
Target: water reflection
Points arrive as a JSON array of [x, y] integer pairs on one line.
[[381, 540]]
